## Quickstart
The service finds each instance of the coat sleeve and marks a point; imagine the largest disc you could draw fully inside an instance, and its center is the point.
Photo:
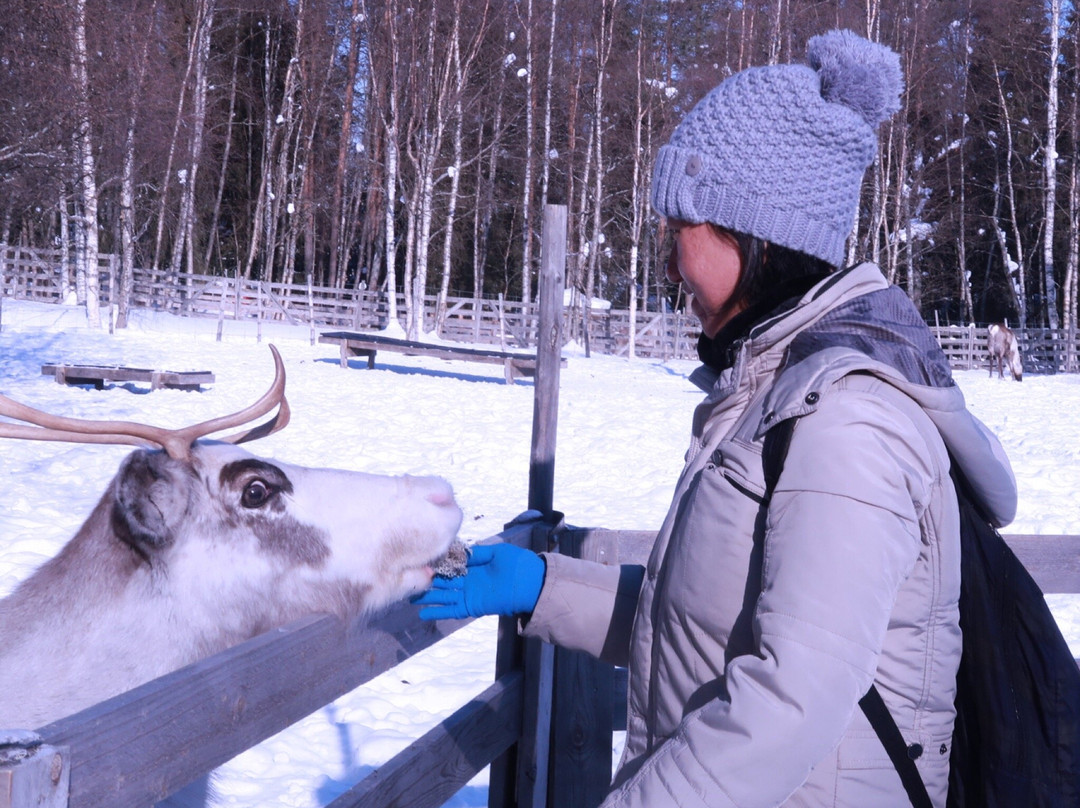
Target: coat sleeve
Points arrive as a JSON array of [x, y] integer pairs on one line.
[[587, 606], [842, 534]]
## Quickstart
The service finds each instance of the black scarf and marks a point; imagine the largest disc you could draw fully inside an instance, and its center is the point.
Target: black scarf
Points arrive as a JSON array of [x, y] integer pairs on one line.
[[719, 351]]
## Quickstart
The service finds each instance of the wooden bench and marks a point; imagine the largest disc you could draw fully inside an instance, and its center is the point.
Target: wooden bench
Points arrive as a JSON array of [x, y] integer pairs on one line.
[[356, 344], [97, 375]]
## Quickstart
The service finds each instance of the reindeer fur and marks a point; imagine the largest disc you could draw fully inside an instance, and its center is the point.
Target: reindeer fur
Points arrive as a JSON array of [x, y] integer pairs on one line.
[[1004, 350], [183, 558]]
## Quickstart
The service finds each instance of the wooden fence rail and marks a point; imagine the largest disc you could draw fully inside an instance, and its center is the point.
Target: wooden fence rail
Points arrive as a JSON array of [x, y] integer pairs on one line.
[[140, 746], [37, 275]]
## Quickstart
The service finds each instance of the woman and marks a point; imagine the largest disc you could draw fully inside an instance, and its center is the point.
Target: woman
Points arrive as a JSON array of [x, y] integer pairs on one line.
[[761, 620]]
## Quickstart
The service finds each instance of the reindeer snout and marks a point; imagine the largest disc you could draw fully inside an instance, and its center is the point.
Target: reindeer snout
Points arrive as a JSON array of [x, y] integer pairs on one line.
[[436, 490], [441, 498], [441, 494]]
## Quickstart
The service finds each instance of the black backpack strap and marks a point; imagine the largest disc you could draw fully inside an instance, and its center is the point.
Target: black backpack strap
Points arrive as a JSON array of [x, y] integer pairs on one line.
[[873, 706], [902, 756]]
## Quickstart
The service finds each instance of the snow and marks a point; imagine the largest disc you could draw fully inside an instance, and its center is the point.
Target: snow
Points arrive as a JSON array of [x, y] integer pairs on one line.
[[621, 435]]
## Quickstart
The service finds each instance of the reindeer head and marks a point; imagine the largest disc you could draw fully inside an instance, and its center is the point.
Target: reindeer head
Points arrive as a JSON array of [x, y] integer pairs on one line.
[[251, 536]]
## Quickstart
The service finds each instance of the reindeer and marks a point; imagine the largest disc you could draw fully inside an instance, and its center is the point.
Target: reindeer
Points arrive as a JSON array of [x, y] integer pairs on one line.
[[1004, 348], [197, 545]]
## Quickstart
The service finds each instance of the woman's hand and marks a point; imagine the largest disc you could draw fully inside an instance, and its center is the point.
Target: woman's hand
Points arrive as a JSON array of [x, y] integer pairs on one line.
[[499, 579]]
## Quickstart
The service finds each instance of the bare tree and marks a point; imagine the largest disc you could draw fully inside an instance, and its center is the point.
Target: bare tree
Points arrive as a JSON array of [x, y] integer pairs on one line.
[[122, 295], [86, 224], [1050, 157], [183, 240]]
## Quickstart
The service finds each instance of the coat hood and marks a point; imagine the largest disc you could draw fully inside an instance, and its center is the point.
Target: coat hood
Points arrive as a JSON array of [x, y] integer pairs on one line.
[[854, 321]]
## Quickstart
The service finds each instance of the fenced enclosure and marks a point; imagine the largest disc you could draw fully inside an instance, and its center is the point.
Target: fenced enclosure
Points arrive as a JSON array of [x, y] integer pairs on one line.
[[142, 745], [36, 275], [544, 725]]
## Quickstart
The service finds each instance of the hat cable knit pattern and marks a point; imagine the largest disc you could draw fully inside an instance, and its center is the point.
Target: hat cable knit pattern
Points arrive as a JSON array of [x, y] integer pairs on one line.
[[779, 152]]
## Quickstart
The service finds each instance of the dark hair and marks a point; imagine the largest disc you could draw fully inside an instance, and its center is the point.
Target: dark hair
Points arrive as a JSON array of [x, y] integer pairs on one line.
[[768, 269]]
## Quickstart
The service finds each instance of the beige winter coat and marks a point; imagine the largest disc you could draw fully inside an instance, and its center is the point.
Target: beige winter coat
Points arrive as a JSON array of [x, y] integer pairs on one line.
[[756, 627]]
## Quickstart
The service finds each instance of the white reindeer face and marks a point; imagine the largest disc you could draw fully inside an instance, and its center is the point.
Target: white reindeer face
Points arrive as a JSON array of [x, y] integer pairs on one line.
[[272, 541]]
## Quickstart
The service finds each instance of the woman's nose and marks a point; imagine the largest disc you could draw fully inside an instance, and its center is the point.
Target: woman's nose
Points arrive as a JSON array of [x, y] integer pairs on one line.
[[672, 270]]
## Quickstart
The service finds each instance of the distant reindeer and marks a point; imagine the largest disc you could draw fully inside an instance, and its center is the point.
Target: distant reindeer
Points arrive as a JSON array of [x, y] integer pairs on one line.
[[199, 545], [1004, 349]]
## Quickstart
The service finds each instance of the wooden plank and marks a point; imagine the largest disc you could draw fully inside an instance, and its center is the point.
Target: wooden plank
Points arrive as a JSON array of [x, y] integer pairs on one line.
[[513, 778], [98, 374], [549, 346], [1053, 560], [582, 714], [434, 768], [412, 348], [514, 364], [145, 744]]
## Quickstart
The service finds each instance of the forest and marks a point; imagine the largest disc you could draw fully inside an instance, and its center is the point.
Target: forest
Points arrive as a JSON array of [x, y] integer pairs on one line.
[[413, 146]]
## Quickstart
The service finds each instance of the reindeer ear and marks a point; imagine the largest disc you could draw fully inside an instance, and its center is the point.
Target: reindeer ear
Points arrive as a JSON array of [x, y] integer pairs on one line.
[[153, 492]]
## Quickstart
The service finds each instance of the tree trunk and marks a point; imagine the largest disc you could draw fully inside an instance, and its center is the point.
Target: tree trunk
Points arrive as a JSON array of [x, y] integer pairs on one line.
[[87, 225], [338, 253], [215, 214], [1050, 165], [200, 41], [1020, 285], [527, 181]]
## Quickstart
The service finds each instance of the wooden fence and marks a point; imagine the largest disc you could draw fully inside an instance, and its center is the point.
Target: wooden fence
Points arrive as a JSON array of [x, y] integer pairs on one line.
[[140, 746], [545, 725], [37, 275]]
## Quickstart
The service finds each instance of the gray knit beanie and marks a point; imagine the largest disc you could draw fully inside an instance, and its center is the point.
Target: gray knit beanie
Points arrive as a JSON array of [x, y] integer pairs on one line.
[[779, 152]]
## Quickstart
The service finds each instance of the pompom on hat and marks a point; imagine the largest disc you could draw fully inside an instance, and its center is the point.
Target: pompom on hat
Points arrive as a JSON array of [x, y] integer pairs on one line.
[[779, 152]]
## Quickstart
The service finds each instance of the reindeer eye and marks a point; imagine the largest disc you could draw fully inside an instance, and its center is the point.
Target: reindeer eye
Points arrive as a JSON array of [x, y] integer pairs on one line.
[[256, 493]]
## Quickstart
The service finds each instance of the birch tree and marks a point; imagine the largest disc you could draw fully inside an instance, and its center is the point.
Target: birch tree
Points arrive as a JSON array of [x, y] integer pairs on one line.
[[86, 223], [183, 240], [528, 24], [337, 211], [461, 67], [122, 296], [1014, 264], [1050, 156]]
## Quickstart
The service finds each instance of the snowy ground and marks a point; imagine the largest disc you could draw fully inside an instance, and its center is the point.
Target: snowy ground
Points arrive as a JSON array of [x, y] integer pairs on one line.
[[621, 436]]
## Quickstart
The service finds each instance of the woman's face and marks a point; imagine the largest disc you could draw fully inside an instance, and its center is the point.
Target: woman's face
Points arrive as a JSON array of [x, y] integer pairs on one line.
[[708, 263]]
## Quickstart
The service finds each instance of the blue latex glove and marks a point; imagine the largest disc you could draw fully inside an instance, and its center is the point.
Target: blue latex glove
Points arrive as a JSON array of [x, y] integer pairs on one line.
[[499, 579]]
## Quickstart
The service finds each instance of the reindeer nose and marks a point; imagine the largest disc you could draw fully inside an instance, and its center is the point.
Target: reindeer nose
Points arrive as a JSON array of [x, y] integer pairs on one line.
[[442, 498], [436, 490]]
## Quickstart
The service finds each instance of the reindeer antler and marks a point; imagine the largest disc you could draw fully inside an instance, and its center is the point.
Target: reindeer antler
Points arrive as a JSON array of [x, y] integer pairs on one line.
[[176, 442]]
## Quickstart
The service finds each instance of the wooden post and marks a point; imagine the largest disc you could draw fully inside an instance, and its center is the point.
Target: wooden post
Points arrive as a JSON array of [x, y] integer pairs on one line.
[[32, 773], [520, 777], [112, 291], [236, 297], [548, 360], [582, 714], [311, 309], [3, 282], [224, 284]]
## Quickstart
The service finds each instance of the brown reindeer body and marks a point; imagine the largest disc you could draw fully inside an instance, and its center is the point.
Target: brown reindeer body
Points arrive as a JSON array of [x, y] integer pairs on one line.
[[1004, 350]]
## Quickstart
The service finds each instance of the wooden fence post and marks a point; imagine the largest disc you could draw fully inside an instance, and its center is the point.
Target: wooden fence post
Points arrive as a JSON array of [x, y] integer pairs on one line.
[[520, 777], [311, 309], [32, 773], [3, 282], [582, 713], [224, 284]]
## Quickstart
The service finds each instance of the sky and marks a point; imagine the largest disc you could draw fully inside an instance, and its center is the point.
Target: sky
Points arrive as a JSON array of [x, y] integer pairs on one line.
[[623, 427]]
